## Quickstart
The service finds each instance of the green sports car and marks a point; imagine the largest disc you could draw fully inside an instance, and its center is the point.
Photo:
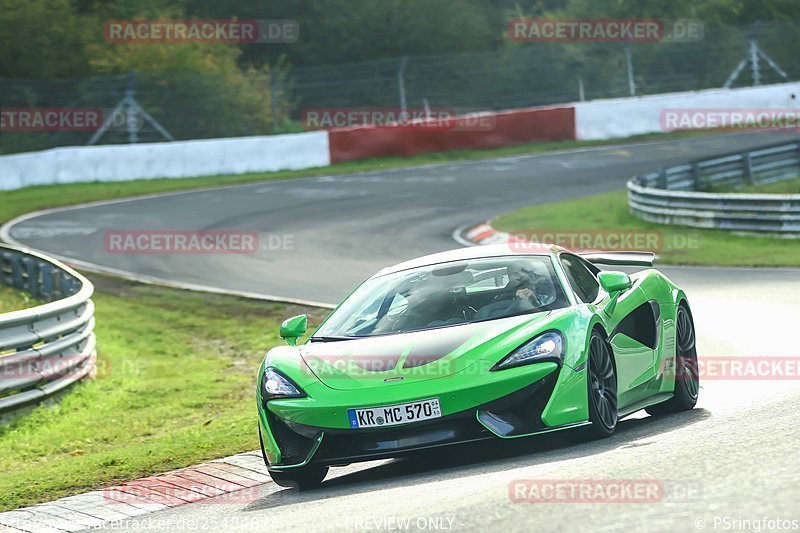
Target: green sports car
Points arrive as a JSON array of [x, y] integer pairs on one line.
[[486, 342]]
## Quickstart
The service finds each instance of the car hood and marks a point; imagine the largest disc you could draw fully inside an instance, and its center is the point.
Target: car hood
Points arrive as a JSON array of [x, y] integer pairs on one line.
[[399, 359]]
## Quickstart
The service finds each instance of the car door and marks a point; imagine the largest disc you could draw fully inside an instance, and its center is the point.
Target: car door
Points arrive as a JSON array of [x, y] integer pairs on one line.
[[633, 348]]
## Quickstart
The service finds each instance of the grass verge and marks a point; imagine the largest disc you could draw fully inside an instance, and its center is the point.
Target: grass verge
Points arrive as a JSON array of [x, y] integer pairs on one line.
[[607, 214], [14, 300], [790, 186], [164, 398]]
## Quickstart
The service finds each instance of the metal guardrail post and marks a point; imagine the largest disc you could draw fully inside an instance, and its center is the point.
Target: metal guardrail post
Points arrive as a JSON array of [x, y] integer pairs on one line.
[[696, 176], [662, 178], [747, 168], [16, 270]]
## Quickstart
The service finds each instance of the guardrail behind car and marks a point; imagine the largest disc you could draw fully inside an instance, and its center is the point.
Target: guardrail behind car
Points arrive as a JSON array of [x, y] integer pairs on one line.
[[674, 195], [45, 348]]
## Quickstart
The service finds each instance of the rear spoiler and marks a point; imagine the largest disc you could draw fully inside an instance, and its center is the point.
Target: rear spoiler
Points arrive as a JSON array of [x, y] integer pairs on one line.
[[644, 259]]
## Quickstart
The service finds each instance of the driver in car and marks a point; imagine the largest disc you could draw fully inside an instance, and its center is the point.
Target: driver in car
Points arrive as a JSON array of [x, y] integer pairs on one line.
[[518, 296], [522, 286]]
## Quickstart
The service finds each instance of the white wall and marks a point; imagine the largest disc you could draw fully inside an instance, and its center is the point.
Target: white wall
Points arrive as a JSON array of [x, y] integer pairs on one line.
[[623, 117], [165, 160], [598, 119]]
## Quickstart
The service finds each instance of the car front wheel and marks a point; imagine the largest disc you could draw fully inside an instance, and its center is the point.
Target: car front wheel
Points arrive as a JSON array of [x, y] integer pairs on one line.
[[301, 477], [602, 388]]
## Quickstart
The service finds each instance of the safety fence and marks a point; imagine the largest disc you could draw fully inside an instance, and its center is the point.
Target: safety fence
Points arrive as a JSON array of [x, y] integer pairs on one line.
[[685, 194], [261, 101], [45, 348]]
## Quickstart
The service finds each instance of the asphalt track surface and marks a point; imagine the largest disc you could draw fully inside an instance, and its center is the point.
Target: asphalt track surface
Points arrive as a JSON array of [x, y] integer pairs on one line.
[[339, 230], [736, 457]]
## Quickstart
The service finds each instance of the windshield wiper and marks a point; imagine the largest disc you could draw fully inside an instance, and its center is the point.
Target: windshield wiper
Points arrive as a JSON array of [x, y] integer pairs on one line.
[[330, 338]]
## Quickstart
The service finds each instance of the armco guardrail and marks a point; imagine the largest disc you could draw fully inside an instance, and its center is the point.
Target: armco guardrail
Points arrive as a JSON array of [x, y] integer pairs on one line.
[[45, 348], [674, 195]]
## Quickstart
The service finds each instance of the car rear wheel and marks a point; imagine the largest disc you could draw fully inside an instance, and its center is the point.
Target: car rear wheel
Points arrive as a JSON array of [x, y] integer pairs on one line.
[[687, 375], [301, 477]]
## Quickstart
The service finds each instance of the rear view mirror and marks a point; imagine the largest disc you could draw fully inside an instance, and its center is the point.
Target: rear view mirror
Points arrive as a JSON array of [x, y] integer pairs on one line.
[[293, 328], [612, 281]]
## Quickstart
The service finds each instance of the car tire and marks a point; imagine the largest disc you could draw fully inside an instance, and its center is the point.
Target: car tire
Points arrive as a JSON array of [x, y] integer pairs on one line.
[[301, 478], [601, 382], [687, 376]]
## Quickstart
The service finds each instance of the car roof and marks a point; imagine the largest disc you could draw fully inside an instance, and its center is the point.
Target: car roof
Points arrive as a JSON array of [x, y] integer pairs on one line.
[[473, 252]]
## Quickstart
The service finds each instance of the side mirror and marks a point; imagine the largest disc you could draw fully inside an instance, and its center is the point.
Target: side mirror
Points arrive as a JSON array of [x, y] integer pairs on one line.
[[612, 281], [293, 328]]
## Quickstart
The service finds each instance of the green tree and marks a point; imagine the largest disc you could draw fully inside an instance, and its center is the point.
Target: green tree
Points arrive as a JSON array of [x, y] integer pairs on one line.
[[41, 39]]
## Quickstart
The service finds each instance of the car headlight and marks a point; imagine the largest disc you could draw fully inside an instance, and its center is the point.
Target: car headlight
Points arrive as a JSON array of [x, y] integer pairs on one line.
[[276, 385], [548, 346]]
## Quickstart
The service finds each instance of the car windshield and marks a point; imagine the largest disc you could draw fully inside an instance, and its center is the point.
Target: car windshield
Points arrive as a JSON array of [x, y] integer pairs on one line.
[[446, 294]]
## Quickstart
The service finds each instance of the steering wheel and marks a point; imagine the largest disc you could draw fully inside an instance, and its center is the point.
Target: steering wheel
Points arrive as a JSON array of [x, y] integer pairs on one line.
[[458, 297]]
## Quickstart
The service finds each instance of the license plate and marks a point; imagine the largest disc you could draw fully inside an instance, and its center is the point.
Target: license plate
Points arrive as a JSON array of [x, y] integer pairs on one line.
[[392, 415]]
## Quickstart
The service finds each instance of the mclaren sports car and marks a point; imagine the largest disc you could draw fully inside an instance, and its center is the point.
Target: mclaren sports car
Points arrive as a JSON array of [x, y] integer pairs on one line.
[[478, 343]]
